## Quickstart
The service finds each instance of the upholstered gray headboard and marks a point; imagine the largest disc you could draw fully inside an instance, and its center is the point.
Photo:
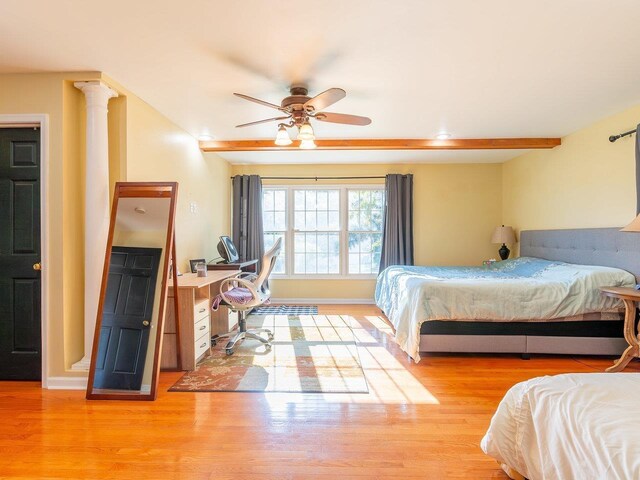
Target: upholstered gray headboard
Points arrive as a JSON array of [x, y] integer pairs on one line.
[[608, 247]]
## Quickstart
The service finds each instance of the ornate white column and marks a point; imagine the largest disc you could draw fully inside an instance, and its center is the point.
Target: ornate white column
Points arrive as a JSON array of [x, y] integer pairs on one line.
[[96, 215]]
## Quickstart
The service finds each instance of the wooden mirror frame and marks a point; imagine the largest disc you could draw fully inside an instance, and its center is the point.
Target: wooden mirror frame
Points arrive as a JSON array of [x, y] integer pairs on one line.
[[139, 190]]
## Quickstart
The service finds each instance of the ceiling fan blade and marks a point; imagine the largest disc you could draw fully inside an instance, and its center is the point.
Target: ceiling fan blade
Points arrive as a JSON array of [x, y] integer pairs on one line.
[[263, 121], [342, 118], [261, 102], [326, 98]]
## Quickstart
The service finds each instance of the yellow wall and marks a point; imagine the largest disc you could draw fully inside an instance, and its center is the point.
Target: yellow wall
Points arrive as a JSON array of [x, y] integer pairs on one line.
[[144, 146], [158, 150], [586, 182], [456, 208], [117, 139], [53, 94]]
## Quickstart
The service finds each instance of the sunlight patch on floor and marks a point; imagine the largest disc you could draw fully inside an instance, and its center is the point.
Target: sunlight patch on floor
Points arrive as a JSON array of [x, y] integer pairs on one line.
[[380, 324], [388, 379]]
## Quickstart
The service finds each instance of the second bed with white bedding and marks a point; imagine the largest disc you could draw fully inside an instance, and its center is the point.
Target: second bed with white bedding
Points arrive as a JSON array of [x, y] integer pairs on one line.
[[566, 427]]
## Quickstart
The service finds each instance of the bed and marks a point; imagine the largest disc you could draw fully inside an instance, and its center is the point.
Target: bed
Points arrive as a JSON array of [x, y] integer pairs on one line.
[[547, 301], [567, 427]]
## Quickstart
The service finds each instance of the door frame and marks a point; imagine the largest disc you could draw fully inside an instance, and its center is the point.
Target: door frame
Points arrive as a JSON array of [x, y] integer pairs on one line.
[[42, 121]]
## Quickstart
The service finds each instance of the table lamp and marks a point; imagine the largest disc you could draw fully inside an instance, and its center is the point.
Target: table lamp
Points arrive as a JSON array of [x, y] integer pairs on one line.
[[504, 235]]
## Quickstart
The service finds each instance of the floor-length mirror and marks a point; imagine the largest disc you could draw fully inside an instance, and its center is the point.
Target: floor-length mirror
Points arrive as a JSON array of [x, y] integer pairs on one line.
[[125, 358]]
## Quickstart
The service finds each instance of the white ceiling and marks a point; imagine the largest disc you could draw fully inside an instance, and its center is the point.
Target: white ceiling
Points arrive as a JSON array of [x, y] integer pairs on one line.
[[153, 215], [496, 68]]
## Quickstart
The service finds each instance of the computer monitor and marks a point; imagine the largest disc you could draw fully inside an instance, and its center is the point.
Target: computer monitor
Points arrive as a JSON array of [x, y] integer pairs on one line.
[[227, 250]]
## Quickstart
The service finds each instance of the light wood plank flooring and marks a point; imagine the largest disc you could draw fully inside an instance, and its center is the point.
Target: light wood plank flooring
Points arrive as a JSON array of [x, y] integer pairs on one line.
[[418, 421]]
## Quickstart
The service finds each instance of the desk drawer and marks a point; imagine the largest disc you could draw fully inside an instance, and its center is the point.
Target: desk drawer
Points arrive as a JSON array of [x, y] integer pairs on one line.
[[202, 345], [201, 328], [200, 310]]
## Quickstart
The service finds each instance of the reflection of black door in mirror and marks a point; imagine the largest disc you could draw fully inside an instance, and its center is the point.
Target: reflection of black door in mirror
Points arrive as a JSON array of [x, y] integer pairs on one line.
[[126, 318], [20, 254]]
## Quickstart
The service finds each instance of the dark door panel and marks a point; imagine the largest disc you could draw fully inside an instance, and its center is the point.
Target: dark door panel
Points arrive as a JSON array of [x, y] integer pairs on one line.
[[128, 304], [20, 284]]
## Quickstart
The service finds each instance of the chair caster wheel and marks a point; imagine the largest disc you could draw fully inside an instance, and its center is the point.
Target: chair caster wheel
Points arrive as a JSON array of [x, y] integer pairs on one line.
[[229, 351]]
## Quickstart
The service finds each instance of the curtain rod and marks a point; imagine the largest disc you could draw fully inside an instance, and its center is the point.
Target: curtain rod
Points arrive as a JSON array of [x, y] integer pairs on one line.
[[613, 138], [382, 177]]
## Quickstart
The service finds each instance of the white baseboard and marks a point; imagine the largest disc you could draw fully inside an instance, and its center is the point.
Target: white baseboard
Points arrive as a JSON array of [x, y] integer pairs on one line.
[[76, 383], [324, 301], [66, 383]]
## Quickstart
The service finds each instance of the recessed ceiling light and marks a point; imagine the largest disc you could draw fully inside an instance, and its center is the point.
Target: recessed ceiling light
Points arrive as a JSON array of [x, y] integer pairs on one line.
[[443, 136], [205, 138]]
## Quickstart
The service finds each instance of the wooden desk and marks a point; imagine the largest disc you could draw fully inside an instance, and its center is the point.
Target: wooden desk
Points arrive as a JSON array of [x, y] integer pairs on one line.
[[630, 297], [245, 266], [197, 321]]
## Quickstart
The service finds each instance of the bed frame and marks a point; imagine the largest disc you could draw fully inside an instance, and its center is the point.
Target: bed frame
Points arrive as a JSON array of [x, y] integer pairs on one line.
[[590, 246]]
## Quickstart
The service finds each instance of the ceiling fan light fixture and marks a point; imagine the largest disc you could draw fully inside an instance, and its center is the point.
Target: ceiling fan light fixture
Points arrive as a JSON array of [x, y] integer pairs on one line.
[[282, 137], [308, 144], [305, 132]]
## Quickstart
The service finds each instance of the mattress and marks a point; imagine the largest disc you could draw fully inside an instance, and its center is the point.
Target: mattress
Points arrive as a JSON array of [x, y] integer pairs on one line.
[[571, 426], [521, 290]]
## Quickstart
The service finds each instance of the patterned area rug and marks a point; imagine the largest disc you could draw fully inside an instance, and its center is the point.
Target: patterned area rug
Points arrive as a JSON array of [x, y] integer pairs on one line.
[[286, 310], [310, 354]]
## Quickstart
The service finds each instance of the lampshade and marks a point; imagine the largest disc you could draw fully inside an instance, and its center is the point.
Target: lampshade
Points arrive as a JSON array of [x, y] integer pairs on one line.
[[306, 132], [308, 144], [503, 235], [634, 226], [282, 137]]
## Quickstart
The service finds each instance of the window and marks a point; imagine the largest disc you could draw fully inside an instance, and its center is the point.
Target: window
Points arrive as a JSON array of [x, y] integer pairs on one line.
[[274, 219], [327, 231], [365, 230], [317, 231]]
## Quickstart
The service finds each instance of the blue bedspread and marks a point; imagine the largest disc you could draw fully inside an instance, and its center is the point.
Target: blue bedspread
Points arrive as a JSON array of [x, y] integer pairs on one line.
[[523, 289]]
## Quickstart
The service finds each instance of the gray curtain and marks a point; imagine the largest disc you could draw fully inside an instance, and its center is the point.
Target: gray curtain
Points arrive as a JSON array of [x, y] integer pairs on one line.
[[247, 217], [397, 230], [638, 169]]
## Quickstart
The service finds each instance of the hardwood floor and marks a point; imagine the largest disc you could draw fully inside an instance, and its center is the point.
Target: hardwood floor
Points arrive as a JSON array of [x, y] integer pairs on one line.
[[418, 421]]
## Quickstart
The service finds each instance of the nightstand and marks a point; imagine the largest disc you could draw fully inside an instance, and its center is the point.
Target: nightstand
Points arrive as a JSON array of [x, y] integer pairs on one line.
[[630, 297]]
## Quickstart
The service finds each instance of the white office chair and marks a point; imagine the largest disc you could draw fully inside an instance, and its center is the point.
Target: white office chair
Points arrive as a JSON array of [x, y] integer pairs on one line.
[[246, 291]]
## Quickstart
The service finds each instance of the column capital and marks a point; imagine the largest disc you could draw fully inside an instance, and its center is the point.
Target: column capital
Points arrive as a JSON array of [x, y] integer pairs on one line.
[[96, 88]]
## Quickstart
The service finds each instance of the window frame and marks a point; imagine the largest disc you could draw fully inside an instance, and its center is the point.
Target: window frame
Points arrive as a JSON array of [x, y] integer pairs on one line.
[[343, 231], [361, 232], [286, 231]]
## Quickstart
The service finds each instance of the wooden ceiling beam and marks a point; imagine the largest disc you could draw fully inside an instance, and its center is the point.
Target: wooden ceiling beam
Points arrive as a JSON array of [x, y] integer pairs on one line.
[[384, 144]]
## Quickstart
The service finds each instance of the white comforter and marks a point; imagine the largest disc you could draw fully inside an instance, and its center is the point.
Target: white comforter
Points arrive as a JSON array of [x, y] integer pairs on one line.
[[569, 427], [523, 289]]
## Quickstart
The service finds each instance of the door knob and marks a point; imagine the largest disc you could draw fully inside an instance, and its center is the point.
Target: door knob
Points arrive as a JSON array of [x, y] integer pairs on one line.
[[37, 266], [145, 323]]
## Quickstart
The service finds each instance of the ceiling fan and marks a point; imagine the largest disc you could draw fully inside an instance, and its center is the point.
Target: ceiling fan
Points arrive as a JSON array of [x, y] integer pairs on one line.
[[298, 108]]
